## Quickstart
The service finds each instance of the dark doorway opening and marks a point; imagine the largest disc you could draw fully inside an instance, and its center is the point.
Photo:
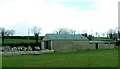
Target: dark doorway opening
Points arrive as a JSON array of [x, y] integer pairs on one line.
[[47, 45], [96, 45]]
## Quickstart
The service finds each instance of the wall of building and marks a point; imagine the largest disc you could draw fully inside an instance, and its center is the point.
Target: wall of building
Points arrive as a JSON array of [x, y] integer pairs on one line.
[[106, 46], [63, 45], [42, 45], [92, 46], [102, 46]]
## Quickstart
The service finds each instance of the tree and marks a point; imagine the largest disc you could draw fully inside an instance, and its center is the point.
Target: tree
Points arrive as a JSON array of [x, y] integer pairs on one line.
[[9, 32], [96, 34], [65, 31], [118, 35], [85, 34], [84, 31], [36, 31], [90, 37], [4, 32], [113, 33], [103, 34], [110, 33], [71, 31]]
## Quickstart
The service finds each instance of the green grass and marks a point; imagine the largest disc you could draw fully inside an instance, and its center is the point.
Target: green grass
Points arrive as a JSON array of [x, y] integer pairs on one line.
[[33, 41], [102, 39], [0, 40], [95, 58], [19, 41], [0, 61]]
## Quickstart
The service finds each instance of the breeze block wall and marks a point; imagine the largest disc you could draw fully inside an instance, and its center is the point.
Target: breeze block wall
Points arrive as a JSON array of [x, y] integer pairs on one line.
[[70, 45]]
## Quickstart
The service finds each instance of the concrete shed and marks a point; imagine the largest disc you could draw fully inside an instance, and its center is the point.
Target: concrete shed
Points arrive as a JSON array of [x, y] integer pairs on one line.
[[101, 44], [64, 42]]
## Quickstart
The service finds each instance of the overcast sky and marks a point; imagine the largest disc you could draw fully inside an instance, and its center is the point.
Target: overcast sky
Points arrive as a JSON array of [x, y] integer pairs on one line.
[[80, 15]]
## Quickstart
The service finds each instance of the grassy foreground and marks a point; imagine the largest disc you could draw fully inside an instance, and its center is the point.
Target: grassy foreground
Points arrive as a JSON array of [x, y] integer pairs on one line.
[[0, 61], [95, 58]]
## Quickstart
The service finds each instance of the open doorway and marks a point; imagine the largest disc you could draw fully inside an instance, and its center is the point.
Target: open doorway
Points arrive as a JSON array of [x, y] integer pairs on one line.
[[47, 45], [96, 45]]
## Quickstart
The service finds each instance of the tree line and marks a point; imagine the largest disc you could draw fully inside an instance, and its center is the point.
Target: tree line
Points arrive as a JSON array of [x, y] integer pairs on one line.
[[112, 34], [6, 32]]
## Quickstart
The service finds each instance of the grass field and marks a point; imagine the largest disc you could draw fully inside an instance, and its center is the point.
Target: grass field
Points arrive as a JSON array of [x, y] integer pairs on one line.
[[19, 41], [0, 60], [94, 58], [33, 41], [102, 39]]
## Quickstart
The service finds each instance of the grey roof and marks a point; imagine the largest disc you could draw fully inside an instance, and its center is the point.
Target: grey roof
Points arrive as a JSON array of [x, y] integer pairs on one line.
[[66, 37]]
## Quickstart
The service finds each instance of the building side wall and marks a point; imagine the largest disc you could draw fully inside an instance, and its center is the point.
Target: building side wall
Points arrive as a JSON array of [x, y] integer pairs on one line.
[[101, 46], [69, 45], [42, 45], [111, 46], [81, 45], [92, 46], [106, 46]]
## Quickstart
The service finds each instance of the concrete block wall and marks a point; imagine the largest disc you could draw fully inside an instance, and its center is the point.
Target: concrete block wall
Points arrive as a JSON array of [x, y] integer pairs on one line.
[[102, 46], [70, 45], [92, 47]]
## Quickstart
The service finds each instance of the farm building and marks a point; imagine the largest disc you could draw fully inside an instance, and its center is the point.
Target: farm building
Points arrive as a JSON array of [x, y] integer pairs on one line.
[[101, 44], [64, 42], [71, 42]]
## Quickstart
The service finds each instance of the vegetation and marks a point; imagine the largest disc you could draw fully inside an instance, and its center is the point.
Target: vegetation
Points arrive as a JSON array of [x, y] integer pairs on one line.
[[33, 40], [0, 61], [36, 31], [102, 39], [94, 58], [4, 32], [64, 31], [19, 41], [0, 40]]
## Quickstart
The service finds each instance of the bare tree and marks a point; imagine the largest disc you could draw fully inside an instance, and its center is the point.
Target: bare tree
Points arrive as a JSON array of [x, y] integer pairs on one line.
[[71, 31], [103, 34], [96, 34], [6, 32], [84, 31], [36, 31], [113, 33], [65, 31], [9, 32], [110, 33], [2, 30], [12, 32]]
